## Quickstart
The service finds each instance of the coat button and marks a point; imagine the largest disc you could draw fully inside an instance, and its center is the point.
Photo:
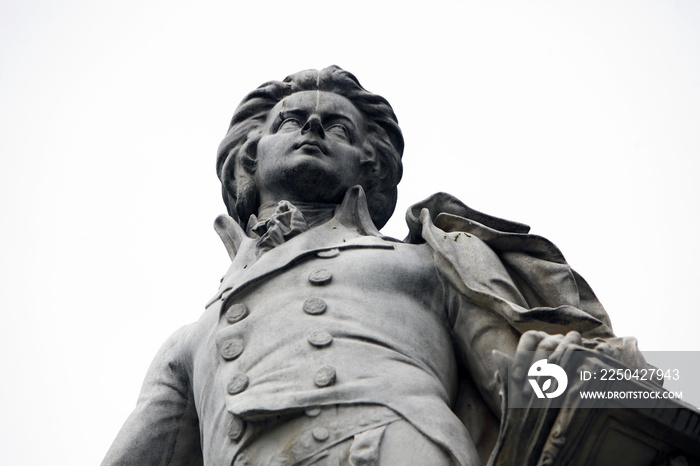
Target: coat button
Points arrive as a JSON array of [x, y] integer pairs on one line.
[[328, 254], [325, 376], [236, 428], [320, 339], [236, 313], [320, 277], [313, 412], [314, 306], [231, 349], [238, 383], [321, 434]]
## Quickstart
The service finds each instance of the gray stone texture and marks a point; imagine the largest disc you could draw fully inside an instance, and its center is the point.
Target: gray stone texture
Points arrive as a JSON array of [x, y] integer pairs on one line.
[[329, 343]]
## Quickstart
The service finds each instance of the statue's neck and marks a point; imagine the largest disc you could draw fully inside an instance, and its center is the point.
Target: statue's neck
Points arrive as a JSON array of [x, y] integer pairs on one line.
[[315, 213]]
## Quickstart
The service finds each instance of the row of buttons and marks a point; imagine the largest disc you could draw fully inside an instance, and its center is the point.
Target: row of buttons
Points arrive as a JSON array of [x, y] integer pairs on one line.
[[325, 376], [233, 348]]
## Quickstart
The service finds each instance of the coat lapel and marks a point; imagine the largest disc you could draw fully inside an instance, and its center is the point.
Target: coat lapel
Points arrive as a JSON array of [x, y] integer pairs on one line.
[[351, 227]]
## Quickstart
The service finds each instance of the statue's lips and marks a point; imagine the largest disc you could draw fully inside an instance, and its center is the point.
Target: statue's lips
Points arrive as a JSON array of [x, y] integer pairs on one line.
[[312, 146]]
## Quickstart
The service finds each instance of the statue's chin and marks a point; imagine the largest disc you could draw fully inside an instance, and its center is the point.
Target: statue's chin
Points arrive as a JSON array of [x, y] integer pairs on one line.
[[308, 181]]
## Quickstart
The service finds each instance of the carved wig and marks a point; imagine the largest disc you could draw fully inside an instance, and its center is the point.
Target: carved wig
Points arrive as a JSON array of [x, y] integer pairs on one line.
[[236, 158]]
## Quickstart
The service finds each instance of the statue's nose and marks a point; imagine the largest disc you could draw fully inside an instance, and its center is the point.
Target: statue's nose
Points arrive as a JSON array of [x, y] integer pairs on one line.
[[314, 125]]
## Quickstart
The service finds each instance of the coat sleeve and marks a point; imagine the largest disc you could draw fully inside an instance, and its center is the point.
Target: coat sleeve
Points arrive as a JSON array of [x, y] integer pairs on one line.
[[501, 282], [163, 429]]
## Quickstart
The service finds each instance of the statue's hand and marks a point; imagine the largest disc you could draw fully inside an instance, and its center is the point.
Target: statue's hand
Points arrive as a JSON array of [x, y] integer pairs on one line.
[[535, 345]]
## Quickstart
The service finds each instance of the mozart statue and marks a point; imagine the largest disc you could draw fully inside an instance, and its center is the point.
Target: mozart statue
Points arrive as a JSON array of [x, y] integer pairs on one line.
[[329, 343]]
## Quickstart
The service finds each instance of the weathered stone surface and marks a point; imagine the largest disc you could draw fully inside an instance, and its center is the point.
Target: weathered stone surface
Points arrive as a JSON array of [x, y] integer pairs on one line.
[[328, 341]]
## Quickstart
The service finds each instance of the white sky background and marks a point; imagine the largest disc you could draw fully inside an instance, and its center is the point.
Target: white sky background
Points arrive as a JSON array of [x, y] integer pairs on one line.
[[581, 119]]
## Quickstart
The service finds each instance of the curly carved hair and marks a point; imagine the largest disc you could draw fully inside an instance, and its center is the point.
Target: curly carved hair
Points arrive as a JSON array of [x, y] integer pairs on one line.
[[236, 157]]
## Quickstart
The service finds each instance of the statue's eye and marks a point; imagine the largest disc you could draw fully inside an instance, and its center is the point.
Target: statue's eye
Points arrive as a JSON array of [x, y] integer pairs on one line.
[[339, 131], [289, 124]]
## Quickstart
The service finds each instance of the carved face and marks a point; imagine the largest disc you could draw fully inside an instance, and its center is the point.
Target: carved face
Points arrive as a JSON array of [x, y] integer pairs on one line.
[[311, 149]]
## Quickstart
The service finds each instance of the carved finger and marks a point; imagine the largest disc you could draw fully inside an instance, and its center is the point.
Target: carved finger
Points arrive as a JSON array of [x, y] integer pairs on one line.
[[604, 348], [550, 343], [530, 339], [547, 345], [524, 352], [573, 338], [523, 356]]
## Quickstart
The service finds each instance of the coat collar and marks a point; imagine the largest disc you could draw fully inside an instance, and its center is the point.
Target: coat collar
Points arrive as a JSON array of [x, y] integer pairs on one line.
[[352, 213], [350, 227]]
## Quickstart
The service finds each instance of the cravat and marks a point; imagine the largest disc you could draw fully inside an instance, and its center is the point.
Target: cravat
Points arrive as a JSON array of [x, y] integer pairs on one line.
[[285, 223]]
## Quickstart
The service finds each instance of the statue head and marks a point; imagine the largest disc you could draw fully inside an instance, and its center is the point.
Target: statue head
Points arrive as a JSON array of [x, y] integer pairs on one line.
[[356, 124]]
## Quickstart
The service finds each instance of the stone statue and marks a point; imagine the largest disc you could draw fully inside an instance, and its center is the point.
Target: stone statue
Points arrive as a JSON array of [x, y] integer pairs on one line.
[[329, 343]]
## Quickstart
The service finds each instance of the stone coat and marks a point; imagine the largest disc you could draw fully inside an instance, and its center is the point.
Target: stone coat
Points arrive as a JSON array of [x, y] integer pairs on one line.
[[342, 315]]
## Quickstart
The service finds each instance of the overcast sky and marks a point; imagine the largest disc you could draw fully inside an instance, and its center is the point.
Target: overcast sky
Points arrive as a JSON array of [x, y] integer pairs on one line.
[[578, 118]]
